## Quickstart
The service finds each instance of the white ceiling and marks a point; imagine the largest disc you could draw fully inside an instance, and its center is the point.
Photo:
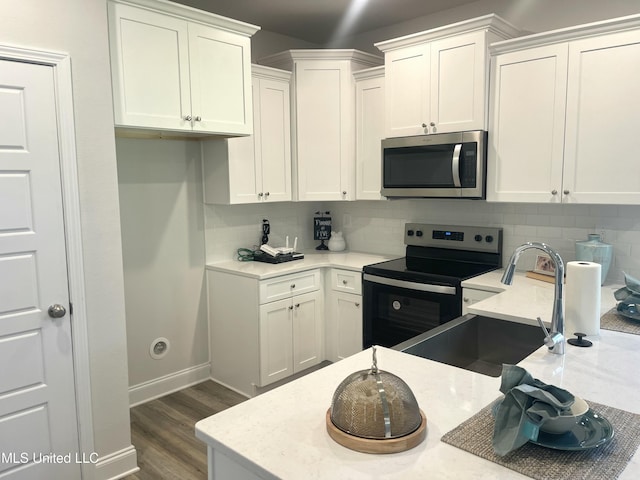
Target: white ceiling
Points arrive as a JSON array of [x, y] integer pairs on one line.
[[317, 21]]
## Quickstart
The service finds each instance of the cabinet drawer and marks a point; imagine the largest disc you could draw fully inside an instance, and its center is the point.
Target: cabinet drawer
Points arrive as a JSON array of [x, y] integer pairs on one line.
[[289, 285], [346, 281], [471, 296]]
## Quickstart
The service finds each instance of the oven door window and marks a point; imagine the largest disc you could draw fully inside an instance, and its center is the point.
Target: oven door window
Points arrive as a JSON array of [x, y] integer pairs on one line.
[[393, 315]]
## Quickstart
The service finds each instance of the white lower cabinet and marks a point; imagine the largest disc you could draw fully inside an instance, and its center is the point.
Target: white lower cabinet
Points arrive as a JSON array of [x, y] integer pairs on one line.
[[471, 296], [262, 331], [343, 329], [290, 336]]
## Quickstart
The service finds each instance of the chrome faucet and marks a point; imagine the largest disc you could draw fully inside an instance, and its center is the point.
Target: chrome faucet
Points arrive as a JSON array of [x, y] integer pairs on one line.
[[555, 339]]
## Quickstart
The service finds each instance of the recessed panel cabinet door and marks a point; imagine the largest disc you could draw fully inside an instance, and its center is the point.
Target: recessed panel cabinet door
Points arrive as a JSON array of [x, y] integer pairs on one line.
[[603, 117], [407, 90], [220, 80], [273, 134], [307, 331], [276, 341], [527, 113], [150, 69]]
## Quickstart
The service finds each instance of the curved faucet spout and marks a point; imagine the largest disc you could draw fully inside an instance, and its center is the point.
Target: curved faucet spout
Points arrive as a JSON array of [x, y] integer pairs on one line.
[[555, 339]]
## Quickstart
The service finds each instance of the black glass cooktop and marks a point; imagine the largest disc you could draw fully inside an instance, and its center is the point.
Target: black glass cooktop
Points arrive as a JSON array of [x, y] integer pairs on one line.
[[424, 270]]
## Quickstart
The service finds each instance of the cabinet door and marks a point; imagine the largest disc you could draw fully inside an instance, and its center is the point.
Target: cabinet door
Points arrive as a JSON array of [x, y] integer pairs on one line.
[[220, 81], [526, 142], [273, 139], [276, 341], [150, 68], [348, 317], [458, 83], [370, 112], [324, 130], [471, 296], [603, 116], [407, 91], [307, 331]]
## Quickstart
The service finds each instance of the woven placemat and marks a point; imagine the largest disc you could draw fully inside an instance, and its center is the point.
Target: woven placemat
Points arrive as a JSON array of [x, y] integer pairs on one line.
[[608, 461], [612, 320]]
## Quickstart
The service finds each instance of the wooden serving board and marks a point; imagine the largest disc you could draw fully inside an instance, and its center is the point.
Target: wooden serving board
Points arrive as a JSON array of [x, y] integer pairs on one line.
[[370, 445]]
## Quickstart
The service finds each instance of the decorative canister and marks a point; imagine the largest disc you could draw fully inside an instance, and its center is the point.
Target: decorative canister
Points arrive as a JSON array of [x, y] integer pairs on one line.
[[593, 250], [336, 242]]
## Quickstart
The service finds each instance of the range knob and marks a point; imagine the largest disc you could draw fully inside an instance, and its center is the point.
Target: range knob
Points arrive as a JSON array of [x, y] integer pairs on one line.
[[419, 233], [478, 238], [488, 238], [410, 233]]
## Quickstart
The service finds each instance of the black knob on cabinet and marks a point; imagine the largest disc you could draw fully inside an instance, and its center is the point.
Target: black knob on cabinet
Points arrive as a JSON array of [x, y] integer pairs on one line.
[[478, 238], [410, 233], [489, 238], [419, 233]]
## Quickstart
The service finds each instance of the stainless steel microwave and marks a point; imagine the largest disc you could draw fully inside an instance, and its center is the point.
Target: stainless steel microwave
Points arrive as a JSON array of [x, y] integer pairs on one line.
[[445, 165]]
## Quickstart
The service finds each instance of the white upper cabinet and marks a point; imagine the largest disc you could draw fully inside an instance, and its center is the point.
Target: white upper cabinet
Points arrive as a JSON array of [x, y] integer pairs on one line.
[[179, 69], [563, 115], [256, 168], [370, 110], [437, 80], [323, 123]]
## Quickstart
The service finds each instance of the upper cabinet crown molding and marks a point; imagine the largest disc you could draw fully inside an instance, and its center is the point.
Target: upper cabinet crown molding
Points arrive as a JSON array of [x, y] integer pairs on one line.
[[630, 22], [166, 69], [491, 23], [287, 59], [193, 14]]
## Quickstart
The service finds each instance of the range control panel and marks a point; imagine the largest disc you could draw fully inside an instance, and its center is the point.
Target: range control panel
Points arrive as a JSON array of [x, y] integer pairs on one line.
[[481, 239]]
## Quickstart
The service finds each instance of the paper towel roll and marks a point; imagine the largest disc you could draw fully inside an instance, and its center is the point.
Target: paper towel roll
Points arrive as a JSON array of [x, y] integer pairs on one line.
[[582, 298]]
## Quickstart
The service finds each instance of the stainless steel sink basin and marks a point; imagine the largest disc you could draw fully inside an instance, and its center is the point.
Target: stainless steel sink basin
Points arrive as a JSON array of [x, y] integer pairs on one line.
[[476, 343]]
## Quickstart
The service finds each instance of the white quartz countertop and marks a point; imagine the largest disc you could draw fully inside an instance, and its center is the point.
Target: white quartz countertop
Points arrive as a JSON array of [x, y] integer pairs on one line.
[[312, 259], [282, 434]]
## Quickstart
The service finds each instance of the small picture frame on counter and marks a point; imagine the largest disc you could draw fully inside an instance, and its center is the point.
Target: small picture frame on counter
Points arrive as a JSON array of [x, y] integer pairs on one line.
[[544, 266]]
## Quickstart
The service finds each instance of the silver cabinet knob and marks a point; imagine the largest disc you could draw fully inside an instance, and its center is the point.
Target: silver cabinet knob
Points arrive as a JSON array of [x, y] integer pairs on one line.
[[290, 307], [432, 124], [424, 125], [188, 118], [297, 305], [266, 194], [554, 192], [260, 194], [466, 300], [344, 282], [198, 118], [57, 311], [357, 304], [293, 285], [566, 192], [344, 192]]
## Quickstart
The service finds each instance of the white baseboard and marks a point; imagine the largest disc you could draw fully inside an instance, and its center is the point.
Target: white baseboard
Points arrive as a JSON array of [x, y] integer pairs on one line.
[[173, 382], [116, 465]]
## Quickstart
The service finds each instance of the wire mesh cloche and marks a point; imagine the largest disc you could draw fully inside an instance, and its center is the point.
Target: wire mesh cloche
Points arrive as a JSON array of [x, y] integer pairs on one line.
[[375, 412]]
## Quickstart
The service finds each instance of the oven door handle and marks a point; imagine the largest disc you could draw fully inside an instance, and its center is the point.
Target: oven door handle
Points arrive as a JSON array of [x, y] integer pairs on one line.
[[423, 287]]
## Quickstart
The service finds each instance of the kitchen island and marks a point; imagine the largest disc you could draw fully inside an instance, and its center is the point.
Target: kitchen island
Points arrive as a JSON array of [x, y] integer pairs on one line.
[[282, 433]]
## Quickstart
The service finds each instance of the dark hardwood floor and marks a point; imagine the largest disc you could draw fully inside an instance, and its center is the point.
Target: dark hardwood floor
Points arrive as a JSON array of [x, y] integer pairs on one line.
[[163, 432]]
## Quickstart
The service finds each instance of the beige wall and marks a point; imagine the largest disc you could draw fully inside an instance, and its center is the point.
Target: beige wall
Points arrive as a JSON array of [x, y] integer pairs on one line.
[[79, 28]]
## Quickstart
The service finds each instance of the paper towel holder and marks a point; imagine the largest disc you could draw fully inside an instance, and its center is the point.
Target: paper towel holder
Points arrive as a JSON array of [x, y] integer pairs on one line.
[[580, 341]]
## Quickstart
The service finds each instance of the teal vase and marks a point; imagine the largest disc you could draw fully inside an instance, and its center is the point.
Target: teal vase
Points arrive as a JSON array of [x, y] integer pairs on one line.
[[593, 250]]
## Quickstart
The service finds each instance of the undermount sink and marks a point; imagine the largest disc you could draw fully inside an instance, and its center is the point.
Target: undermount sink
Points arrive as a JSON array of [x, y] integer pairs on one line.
[[477, 343]]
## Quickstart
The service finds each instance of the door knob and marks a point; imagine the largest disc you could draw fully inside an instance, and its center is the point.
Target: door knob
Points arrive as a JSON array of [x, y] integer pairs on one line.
[[57, 311]]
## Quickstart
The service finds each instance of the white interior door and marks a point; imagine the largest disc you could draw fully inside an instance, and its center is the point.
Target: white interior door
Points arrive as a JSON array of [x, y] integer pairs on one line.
[[38, 426]]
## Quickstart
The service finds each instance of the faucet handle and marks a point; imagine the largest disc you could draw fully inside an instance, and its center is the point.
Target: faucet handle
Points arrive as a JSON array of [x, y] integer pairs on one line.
[[551, 339]]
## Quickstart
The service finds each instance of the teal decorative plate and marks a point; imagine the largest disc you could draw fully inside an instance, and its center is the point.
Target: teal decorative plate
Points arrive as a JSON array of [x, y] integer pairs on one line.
[[592, 431]]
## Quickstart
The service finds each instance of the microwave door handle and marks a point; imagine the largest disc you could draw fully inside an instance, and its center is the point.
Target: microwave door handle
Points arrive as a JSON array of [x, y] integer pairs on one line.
[[455, 165]]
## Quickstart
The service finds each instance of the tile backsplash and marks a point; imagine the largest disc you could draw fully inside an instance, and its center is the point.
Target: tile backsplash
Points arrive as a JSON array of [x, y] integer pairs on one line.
[[378, 227]]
